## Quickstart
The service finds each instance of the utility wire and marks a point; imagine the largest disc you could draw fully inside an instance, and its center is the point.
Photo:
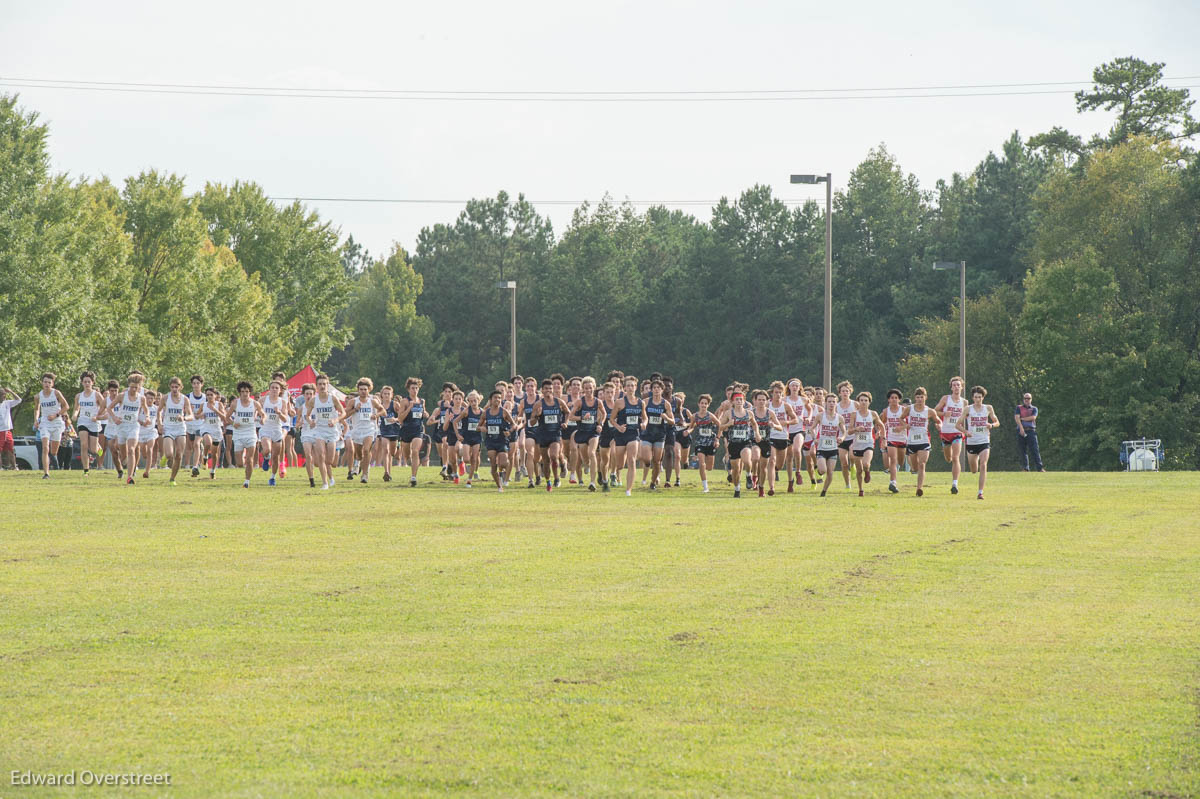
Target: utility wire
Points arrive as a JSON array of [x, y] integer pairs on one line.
[[528, 97]]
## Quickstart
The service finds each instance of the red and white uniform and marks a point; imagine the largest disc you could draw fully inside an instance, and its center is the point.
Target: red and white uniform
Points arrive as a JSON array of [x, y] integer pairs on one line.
[[979, 426], [892, 423], [951, 413], [847, 414], [918, 426], [827, 432], [864, 431]]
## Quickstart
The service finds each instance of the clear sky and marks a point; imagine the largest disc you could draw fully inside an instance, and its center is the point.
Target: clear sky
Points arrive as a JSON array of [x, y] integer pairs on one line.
[[453, 150]]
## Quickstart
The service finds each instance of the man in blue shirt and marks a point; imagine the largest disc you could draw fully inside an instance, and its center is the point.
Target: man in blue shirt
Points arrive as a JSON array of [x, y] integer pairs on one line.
[[1027, 441]]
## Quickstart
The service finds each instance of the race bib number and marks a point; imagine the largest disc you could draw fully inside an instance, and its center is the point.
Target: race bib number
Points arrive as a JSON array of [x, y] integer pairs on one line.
[[472, 427], [416, 413], [493, 429], [654, 419], [589, 417]]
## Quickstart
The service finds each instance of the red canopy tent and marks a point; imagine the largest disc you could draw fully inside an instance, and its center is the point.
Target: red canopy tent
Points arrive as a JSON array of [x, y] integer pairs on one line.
[[308, 375]]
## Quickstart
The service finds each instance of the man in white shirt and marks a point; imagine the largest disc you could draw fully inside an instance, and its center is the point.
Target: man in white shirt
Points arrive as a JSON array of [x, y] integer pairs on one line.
[[7, 457]]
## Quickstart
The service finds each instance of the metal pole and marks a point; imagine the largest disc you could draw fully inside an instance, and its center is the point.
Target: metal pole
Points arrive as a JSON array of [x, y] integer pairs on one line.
[[513, 331], [962, 321], [828, 281]]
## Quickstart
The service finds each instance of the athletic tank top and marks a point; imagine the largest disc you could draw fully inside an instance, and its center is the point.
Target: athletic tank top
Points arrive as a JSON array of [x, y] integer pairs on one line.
[[129, 409], [388, 423], [706, 430], [49, 404], [631, 415], [149, 417], [608, 416], [470, 421], [527, 409], [323, 411], [677, 410], [89, 406], [780, 414], [739, 429], [172, 414], [797, 406], [197, 407], [863, 438], [654, 414], [212, 419], [764, 424], [827, 431], [567, 403], [243, 416], [588, 415], [847, 415], [363, 411], [416, 418], [495, 424], [918, 426], [271, 411], [892, 422], [979, 429], [552, 414], [952, 413]]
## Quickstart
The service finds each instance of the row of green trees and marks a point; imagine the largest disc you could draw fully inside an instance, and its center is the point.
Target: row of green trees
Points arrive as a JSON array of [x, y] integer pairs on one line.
[[1082, 274]]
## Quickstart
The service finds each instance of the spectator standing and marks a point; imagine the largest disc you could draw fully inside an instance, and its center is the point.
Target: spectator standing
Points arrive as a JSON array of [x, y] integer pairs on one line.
[[1027, 441], [8, 401]]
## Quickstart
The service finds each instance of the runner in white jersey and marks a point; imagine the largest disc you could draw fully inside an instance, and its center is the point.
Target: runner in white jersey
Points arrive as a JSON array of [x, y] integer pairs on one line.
[[830, 429], [212, 430], [951, 407], [195, 427], [866, 427], [88, 404], [277, 411], [175, 413], [110, 424], [307, 392], [323, 412], [845, 409], [816, 406], [49, 414], [362, 412], [895, 436], [126, 412], [794, 458], [916, 426], [242, 415], [288, 446], [977, 423], [780, 437], [148, 434]]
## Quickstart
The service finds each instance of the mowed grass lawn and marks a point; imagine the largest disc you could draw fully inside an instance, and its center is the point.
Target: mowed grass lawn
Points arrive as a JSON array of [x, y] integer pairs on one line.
[[382, 640]]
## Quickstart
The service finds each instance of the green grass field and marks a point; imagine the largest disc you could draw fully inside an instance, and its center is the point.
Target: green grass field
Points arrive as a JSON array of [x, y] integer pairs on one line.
[[381, 640]]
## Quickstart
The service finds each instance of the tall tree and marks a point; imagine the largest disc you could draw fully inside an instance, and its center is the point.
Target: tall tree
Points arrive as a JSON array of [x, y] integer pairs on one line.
[[297, 257]]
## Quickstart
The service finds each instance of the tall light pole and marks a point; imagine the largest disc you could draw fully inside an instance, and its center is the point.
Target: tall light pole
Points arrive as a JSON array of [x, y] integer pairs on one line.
[[827, 179], [512, 331], [961, 266]]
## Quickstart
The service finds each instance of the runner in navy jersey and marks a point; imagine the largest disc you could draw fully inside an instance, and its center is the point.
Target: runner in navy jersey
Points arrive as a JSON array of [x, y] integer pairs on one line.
[[629, 423], [703, 429], [497, 422], [550, 414], [532, 455], [589, 414], [467, 421], [410, 413]]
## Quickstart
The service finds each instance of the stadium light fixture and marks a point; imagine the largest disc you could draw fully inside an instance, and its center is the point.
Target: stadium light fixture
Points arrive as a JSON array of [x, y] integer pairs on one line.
[[827, 179], [961, 266]]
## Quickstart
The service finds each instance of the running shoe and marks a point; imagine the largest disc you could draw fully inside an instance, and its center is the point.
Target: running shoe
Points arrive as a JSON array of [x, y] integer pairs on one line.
[[677, 482], [312, 482], [363, 480], [920, 493], [822, 492], [456, 479], [737, 492], [791, 487], [604, 488], [271, 482], [760, 491], [980, 495], [195, 471], [867, 474], [173, 483], [770, 492], [412, 482], [462, 468], [953, 488], [860, 493], [531, 484], [893, 489], [245, 484], [45, 476], [549, 486], [592, 487], [628, 492]]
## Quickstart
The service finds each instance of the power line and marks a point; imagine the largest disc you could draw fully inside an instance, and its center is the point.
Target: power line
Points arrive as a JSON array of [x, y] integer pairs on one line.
[[507, 93], [529, 97], [439, 201]]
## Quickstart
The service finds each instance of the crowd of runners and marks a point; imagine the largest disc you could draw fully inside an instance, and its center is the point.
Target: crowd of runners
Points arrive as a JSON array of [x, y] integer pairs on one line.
[[559, 430]]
